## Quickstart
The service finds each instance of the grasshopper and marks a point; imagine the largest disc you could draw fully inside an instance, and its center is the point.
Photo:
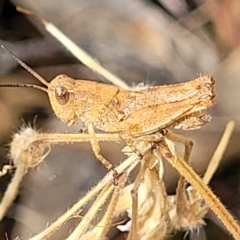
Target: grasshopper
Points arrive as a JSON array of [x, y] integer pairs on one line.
[[133, 113], [138, 114]]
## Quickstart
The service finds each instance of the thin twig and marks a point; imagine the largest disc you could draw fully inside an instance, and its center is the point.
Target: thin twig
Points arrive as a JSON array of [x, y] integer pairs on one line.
[[78, 52], [217, 156], [131, 161], [12, 190], [84, 224], [213, 202]]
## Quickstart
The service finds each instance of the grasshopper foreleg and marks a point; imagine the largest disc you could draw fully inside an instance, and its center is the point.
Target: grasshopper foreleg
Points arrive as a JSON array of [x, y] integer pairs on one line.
[[96, 150]]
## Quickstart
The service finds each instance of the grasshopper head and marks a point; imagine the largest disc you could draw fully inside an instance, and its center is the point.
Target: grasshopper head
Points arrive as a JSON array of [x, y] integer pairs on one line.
[[60, 91], [61, 96]]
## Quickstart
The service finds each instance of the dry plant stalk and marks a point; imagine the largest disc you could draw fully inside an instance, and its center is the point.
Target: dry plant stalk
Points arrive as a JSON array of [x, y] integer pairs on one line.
[[153, 212], [219, 152], [78, 52], [141, 118]]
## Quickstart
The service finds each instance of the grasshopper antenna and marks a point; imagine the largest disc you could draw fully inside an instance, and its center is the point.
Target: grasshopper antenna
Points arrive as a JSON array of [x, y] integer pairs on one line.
[[23, 85], [30, 70]]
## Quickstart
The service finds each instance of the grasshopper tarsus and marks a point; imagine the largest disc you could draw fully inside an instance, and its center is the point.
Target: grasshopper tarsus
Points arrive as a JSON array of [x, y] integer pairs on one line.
[[115, 176]]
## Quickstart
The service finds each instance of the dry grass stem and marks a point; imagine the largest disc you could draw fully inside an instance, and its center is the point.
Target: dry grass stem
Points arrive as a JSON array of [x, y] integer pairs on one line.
[[12, 190], [217, 156], [86, 221], [213, 202], [57, 138], [78, 52], [130, 163], [100, 231]]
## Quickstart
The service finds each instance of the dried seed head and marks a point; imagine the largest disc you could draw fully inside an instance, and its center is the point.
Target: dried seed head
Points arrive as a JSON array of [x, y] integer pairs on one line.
[[195, 210], [27, 149]]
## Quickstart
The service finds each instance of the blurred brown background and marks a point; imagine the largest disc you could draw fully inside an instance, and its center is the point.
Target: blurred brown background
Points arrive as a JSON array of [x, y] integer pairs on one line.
[[141, 41]]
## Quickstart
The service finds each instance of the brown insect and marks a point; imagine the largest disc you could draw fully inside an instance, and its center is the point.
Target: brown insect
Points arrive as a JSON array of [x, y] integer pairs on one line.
[[133, 113]]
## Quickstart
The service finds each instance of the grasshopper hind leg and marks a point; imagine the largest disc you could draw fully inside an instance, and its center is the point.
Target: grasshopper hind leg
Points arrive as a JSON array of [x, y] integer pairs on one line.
[[182, 207]]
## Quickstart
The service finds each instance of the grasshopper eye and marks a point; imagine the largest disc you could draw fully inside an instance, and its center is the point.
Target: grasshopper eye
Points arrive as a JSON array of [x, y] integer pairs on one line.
[[62, 95]]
